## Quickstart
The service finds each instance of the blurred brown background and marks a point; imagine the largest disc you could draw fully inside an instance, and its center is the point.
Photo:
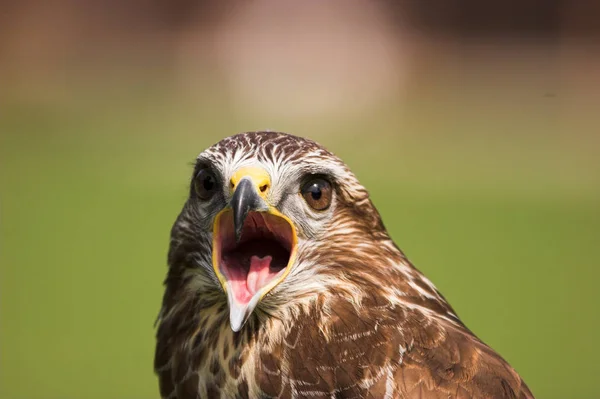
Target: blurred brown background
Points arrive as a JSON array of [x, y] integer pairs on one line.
[[331, 55], [474, 125]]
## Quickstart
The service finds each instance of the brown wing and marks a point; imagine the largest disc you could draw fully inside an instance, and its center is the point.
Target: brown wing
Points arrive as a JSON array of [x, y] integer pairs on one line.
[[382, 352], [457, 365]]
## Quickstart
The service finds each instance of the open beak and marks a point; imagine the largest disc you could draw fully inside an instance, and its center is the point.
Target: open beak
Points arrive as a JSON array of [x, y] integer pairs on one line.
[[254, 245]]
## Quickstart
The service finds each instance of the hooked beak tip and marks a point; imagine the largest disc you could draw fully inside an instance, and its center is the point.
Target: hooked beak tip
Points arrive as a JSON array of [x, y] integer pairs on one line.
[[238, 232], [244, 199]]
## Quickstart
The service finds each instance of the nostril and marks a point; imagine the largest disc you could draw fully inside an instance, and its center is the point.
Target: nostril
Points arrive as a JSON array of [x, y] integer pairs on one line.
[[264, 188], [231, 184]]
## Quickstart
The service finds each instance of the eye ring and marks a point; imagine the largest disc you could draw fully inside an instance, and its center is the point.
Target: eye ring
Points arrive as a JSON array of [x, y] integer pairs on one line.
[[317, 192], [205, 184]]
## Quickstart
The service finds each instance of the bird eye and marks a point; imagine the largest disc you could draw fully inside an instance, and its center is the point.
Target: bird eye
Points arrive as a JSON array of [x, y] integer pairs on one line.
[[205, 184], [317, 193]]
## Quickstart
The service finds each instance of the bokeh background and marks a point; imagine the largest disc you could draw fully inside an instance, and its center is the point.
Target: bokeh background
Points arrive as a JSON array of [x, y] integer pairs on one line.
[[475, 126]]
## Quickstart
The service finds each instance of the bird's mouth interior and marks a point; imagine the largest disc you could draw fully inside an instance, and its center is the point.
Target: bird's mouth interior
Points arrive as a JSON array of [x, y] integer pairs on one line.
[[261, 258]]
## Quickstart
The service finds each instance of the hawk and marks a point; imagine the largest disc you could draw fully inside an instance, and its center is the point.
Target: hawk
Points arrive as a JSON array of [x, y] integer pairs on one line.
[[284, 283]]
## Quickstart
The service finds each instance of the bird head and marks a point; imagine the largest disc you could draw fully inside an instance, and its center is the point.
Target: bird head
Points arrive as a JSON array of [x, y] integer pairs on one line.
[[269, 220]]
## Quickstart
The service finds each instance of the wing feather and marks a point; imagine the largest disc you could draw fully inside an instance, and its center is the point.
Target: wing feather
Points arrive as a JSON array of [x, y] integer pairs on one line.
[[426, 357]]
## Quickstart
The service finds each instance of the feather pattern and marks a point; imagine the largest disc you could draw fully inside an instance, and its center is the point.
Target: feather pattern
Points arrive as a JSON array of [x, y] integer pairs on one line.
[[353, 319]]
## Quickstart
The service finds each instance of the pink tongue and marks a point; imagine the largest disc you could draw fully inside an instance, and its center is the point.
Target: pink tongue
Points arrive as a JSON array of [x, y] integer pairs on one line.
[[259, 273]]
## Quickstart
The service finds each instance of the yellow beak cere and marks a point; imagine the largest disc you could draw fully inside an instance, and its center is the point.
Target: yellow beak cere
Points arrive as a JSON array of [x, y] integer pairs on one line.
[[258, 176]]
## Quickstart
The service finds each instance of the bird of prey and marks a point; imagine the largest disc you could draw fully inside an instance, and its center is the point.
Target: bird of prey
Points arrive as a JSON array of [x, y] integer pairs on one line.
[[284, 283]]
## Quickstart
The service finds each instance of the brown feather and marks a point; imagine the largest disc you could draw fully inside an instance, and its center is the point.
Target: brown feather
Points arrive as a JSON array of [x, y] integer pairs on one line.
[[379, 328]]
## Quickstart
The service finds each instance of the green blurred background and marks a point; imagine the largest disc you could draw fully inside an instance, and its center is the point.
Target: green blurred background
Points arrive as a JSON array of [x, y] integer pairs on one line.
[[475, 128]]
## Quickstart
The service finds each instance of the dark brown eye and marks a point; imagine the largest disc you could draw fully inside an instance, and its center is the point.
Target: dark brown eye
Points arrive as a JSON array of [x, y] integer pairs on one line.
[[317, 193], [205, 184]]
